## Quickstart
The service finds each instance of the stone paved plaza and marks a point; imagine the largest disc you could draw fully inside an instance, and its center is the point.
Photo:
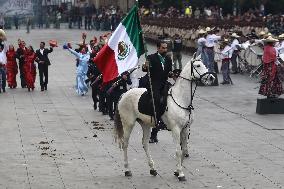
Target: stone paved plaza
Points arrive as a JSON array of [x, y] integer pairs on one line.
[[55, 139]]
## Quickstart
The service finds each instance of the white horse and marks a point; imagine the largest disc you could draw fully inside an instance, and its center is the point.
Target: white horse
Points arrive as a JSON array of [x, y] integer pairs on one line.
[[178, 116]]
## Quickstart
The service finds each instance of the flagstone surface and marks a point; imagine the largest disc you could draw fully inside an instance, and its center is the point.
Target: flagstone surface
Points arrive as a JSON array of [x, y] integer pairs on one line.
[[54, 139]]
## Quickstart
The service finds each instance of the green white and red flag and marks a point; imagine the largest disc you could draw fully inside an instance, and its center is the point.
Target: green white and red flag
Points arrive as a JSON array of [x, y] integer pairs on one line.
[[123, 49]]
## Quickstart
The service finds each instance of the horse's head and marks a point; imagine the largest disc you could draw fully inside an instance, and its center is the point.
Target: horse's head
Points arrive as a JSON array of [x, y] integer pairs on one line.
[[196, 70]]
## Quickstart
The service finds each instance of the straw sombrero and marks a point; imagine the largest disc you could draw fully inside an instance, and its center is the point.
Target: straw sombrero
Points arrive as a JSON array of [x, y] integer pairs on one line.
[[202, 31], [270, 39], [235, 35]]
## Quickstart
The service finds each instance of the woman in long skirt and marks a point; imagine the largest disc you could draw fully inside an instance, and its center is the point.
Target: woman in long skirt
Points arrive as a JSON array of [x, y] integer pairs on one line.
[[81, 73], [271, 86], [12, 68], [30, 68]]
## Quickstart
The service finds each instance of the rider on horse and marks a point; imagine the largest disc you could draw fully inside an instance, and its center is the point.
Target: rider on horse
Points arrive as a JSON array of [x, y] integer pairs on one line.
[[160, 68]]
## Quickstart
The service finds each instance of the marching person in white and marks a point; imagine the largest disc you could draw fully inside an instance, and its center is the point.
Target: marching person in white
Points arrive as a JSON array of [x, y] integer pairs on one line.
[[201, 46], [211, 41], [235, 49], [226, 55]]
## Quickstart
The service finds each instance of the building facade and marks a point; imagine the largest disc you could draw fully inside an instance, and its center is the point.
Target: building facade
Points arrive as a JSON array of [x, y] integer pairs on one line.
[[123, 4]]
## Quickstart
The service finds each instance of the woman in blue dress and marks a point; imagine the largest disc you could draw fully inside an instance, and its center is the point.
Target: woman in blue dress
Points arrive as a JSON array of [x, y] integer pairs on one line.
[[83, 58]]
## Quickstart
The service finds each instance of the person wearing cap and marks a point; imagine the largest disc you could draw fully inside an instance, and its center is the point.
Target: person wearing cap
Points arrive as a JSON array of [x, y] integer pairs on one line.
[[235, 54], [271, 86], [210, 43], [177, 56], [201, 46], [226, 55]]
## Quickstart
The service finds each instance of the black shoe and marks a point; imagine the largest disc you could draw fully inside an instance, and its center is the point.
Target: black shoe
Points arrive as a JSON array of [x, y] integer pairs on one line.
[[153, 140], [95, 106], [4, 90], [225, 83], [161, 125], [45, 87], [42, 89], [29, 89]]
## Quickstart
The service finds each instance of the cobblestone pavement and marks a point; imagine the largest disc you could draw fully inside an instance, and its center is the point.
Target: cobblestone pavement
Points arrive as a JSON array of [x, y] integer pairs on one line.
[[54, 139]]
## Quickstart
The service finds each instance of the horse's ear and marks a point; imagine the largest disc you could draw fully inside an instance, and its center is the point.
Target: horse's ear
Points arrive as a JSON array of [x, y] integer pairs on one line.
[[194, 56]]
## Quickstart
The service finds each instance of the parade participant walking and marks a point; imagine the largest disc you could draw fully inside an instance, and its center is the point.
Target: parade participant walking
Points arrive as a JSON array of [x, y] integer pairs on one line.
[[20, 55], [3, 62], [30, 68], [115, 91], [271, 86], [12, 67], [83, 58], [159, 66], [43, 63]]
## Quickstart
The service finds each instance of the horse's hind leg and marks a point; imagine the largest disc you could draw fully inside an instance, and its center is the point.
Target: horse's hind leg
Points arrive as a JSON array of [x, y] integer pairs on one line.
[[145, 143], [127, 132]]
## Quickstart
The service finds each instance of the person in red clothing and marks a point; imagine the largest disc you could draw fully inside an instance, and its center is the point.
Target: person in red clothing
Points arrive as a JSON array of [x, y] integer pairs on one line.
[[271, 86], [30, 68], [12, 68]]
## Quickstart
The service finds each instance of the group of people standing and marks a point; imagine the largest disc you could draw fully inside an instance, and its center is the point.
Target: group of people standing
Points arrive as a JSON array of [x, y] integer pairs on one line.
[[27, 58], [104, 95], [229, 47]]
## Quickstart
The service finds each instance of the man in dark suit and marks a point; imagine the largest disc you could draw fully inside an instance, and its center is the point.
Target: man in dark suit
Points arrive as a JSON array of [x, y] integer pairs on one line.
[[43, 63], [160, 67]]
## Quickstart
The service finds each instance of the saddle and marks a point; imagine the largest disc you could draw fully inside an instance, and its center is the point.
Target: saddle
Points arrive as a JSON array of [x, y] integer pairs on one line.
[[145, 104]]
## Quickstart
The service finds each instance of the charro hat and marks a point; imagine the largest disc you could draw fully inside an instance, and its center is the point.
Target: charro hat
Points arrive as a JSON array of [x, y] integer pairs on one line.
[[235, 35], [281, 36], [261, 33], [202, 31], [270, 39]]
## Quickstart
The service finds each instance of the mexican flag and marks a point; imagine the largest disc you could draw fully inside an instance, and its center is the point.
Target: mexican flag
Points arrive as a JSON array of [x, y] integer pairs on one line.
[[123, 49]]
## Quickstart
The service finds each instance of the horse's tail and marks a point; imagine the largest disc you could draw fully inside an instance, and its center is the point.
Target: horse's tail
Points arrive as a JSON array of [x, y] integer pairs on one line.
[[118, 131]]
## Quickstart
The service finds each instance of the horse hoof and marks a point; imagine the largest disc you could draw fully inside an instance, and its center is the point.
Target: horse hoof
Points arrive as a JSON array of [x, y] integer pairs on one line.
[[176, 173], [186, 155], [182, 179], [128, 173], [153, 172]]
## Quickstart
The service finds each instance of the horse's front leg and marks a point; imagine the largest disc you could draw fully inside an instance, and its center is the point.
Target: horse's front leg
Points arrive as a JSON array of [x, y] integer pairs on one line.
[[145, 143], [184, 142], [178, 172]]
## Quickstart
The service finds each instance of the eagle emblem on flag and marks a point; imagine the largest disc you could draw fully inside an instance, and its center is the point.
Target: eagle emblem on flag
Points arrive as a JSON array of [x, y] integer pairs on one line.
[[123, 50]]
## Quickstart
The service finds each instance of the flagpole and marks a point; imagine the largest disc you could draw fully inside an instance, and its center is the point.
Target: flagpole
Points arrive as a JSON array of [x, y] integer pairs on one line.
[[148, 70]]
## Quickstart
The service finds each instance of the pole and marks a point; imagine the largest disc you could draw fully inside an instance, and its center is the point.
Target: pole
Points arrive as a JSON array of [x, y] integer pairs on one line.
[[149, 74]]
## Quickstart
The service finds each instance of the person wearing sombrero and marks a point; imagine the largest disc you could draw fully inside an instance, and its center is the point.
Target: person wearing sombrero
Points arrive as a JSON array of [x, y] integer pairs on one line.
[[271, 86], [211, 40], [235, 49], [226, 55], [201, 46]]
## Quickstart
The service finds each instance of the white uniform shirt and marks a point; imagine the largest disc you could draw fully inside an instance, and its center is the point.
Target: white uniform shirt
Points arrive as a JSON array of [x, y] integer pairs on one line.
[[226, 52], [211, 40], [234, 44], [280, 47], [3, 57], [201, 41]]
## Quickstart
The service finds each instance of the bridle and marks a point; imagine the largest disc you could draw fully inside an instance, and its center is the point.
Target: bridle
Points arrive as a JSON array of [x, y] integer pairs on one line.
[[191, 80]]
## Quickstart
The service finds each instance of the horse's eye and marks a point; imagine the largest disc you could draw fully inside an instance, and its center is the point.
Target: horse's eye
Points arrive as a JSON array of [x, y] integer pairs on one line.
[[198, 66]]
